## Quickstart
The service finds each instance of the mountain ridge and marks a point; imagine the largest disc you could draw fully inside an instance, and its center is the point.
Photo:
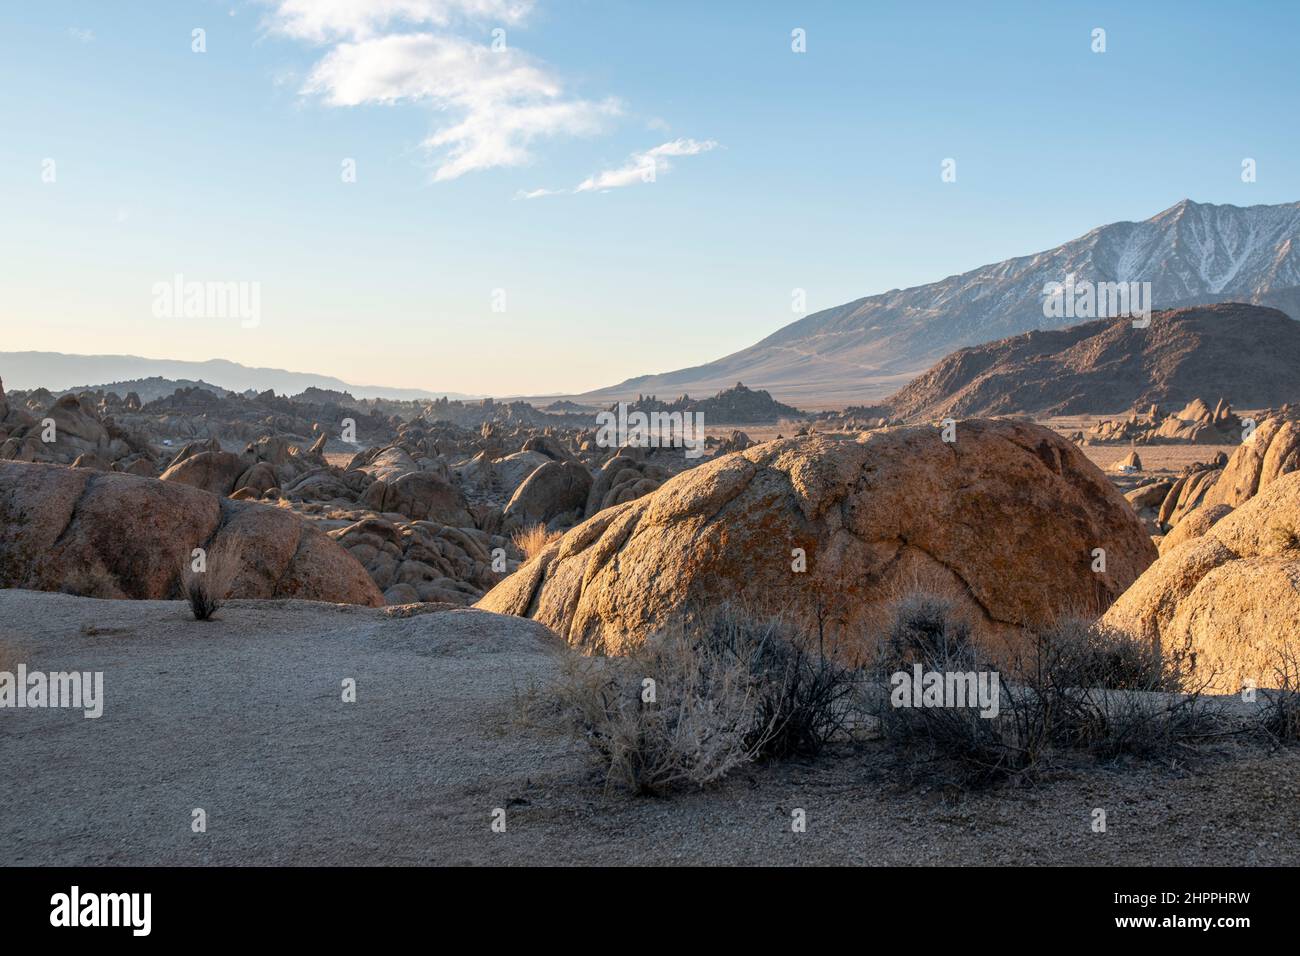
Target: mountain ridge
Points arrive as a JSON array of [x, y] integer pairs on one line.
[[59, 371], [1192, 253]]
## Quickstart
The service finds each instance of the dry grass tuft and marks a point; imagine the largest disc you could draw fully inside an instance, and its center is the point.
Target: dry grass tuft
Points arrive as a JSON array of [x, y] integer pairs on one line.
[[206, 583], [533, 540]]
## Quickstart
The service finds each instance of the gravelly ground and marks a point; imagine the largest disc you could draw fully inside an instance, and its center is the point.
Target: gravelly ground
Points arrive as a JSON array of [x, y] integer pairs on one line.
[[244, 718]]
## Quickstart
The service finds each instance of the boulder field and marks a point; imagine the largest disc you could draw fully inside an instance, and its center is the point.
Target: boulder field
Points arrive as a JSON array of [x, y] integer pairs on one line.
[[1006, 519], [107, 534]]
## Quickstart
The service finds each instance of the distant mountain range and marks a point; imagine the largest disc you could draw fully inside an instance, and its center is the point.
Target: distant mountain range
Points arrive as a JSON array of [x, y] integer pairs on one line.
[[1243, 353], [1192, 254], [59, 372]]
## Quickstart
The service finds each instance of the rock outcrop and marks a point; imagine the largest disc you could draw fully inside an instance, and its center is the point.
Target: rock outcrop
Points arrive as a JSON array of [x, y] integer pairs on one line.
[[422, 561], [1273, 450], [1007, 519], [621, 479], [1226, 603], [421, 495], [123, 536]]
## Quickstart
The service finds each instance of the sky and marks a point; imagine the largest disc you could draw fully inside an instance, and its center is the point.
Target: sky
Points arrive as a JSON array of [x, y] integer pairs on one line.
[[548, 196]]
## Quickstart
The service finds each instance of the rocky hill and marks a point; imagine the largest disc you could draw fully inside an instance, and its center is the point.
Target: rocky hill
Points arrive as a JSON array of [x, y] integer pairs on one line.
[[1247, 355], [733, 406], [149, 389]]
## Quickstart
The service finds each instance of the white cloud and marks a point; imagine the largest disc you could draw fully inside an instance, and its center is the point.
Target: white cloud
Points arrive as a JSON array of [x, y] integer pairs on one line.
[[645, 166], [498, 101], [446, 70], [81, 35], [538, 193], [321, 21]]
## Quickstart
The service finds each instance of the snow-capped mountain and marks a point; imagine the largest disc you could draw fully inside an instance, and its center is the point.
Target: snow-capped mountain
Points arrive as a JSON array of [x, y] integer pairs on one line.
[[1192, 253]]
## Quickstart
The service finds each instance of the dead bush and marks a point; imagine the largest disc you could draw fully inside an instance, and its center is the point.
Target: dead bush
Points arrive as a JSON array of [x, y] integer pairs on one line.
[[949, 744], [1076, 652], [701, 699], [1075, 688], [803, 698]]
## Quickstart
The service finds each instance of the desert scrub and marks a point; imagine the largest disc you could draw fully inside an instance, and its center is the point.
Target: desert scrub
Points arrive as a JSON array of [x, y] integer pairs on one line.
[[1112, 694], [1072, 688], [702, 698], [949, 744], [1076, 652]]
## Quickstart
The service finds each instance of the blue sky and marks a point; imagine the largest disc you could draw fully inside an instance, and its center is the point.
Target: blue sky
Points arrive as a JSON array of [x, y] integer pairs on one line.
[[816, 170]]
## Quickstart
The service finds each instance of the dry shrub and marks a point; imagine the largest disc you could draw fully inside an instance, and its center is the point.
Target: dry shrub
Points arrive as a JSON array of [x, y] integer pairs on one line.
[[703, 698], [1279, 716], [1104, 691], [1281, 538], [1082, 653], [948, 744], [1076, 687], [206, 590], [532, 540]]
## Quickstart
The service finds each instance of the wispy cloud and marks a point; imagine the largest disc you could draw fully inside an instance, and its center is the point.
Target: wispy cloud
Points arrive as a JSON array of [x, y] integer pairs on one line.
[[645, 167], [642, 167], [539, 193], [81, 35], [501, 100]]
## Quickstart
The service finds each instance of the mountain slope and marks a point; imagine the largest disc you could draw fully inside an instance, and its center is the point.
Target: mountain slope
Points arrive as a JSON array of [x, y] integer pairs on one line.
[[1246, 354], [1191, 253]]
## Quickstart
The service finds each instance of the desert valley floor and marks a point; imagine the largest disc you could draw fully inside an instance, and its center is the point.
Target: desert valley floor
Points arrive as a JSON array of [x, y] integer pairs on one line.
[[242, 717]]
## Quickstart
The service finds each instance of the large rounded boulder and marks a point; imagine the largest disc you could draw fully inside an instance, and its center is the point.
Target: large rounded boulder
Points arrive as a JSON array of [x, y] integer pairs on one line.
[[1227, 603], [107, 534], [1009, 519], [212, 471], [421, 495], [554, 489]]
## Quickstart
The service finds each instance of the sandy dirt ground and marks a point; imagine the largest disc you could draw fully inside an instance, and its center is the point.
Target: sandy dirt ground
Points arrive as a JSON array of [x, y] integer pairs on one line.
[[244, 718]]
